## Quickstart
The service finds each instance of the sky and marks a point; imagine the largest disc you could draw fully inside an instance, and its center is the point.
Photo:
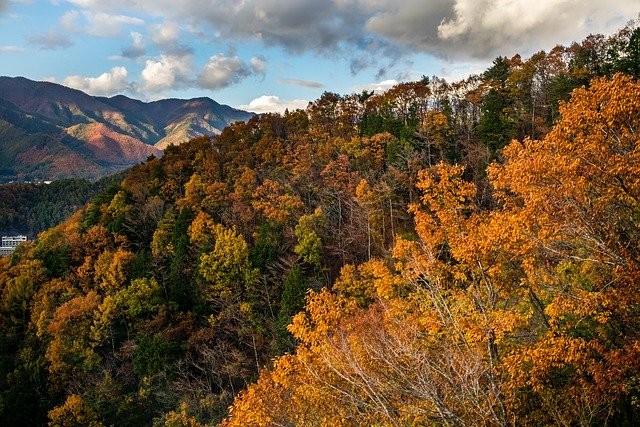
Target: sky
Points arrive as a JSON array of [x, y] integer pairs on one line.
[[268, 55]]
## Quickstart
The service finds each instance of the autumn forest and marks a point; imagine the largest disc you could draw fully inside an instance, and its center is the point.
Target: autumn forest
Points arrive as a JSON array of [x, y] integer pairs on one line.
[[437, 254]]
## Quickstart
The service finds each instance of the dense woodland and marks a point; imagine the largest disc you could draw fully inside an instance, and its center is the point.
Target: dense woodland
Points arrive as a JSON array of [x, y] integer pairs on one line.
[[438, 254], [31, 208]]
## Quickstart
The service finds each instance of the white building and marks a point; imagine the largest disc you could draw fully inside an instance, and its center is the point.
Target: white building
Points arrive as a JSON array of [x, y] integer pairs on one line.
[[13, 241], [6, 251], [9, 244]]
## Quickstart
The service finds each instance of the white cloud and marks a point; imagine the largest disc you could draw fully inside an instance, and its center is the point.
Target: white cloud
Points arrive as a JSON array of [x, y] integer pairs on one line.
[[259, 64], [99, 24], [273, 104], [166, 37], [165, 34], [109, 83], [11, 49], [86, 3], [68, 21], [165, 72], [222, 71], [380, 87], [453, 72], [492, 26], [487, 28]]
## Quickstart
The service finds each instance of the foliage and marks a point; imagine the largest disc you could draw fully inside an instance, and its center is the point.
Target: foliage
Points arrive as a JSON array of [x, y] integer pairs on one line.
[[32, 208], [354, 263], [521, 314]]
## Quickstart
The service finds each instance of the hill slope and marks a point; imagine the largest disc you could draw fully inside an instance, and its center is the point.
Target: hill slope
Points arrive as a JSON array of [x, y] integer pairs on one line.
[[50, 131], [470, 278]]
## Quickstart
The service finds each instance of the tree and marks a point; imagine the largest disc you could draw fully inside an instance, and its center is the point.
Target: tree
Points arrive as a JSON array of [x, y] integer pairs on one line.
[[275, 203], [308, 232], [74, 413], [71, 352], [498, 73], [495, 126], [226, 268], [54, 250], [623, 53], [292, 300], [574, 196]]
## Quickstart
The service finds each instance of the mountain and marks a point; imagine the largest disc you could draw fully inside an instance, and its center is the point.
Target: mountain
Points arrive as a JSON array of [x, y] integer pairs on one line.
[[49, 131]]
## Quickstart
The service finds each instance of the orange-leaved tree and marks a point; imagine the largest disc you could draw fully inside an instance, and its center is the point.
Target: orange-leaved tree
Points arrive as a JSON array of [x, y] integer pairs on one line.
[[574, 199], [522, 314]]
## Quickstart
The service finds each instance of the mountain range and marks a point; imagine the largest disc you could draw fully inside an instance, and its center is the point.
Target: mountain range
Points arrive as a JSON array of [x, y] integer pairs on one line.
[[49, 131]]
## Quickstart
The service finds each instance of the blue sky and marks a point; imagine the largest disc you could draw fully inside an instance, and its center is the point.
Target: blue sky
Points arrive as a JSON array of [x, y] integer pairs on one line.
[[266, 55]]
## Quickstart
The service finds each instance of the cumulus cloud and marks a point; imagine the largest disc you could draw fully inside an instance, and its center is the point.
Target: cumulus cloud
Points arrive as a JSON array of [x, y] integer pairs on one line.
[[222, 71], [165, 34], [137, 48], [166, 37], [166, 72], [51, 40], [95, 23], [310, 84], [109, 83], [487, 28], [273, 104]]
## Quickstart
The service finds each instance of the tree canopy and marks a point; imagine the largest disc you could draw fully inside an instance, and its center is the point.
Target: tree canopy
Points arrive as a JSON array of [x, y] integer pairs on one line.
[[440, 253]]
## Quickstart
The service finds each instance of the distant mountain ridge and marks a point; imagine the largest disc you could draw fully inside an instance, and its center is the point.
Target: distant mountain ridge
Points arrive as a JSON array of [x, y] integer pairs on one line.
[[49, 131]]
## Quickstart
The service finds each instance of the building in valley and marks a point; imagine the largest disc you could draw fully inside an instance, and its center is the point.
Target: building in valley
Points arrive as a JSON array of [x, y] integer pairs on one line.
[[10, 243]]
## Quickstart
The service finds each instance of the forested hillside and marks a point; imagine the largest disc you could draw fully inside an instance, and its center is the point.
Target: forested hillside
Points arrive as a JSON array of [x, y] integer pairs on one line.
[[440, 253], [32, 208]]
